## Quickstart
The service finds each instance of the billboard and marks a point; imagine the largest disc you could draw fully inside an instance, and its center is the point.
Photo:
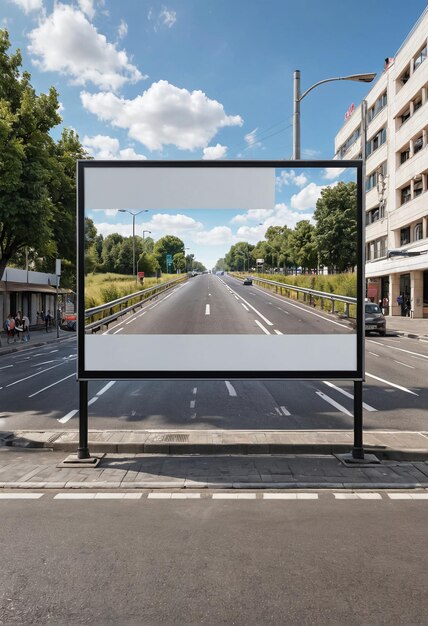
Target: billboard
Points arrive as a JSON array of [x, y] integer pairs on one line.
[[169, 277]]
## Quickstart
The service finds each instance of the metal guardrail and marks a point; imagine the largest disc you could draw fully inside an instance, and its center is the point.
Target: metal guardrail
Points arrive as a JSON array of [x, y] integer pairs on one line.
[[309, 294], [139, 296]]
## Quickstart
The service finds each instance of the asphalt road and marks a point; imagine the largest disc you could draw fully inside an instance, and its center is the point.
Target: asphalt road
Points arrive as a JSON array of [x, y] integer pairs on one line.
[[207, 561], [38, 390], [210, 304]]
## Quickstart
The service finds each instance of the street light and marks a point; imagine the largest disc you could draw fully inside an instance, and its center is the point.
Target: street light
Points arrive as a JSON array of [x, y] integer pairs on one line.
[[134, 215], [298, 97]]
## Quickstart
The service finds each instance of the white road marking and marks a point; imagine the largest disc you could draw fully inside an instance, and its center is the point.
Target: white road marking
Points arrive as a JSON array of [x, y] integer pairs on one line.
[[405, 364], [245, 307], [154, 306], [237, 297], [5, 367], [53, 351], [92, 400], [278, 332], [374, 354], [130, 321], [230, 388], [357, 496], [43, 363], [192, 404], [302, 310], [207, 309], [254, 309], [422, 356], [333, 403], [286, 312], [347, 394], [67, 417], [20, 496], [195, 391], [233, 496], [75, 496], [117, 496], [32, 375], [387, 382], [106, 387], [159, 495], [185, 496], [408, 496], [265, 330], [285, 411], [290, 496], [52, 385], [118, 331]]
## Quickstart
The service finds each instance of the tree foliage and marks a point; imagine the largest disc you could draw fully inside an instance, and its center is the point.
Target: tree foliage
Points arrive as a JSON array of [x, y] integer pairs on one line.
[[167, 245], [336, 226]]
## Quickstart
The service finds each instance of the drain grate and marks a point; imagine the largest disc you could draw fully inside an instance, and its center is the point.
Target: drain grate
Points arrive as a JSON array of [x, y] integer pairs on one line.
[[175, 438]]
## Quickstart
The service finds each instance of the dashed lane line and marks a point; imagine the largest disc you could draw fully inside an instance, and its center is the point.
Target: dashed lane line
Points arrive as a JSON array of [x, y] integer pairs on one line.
[[347, 394], [385, 345], [207, 309], [230, 388], [405, 364], [387, 382], [52, 385], [250, 305], [64, 420], [36, 374], [338, 406], [265, 330]]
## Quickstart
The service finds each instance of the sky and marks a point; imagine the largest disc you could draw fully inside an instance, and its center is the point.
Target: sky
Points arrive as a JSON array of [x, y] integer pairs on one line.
[[206, 79]]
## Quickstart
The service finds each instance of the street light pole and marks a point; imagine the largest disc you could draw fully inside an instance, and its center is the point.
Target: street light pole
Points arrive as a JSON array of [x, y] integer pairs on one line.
[[298, 97], [134, 215]]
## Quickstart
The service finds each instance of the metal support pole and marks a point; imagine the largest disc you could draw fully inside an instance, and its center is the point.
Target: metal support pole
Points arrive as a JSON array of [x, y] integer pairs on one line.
[[358, 450], [83, 449], [133, 248], [296, 116]]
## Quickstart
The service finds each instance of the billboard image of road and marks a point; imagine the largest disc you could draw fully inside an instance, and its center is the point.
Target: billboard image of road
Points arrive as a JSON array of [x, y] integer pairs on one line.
[[238, 268]]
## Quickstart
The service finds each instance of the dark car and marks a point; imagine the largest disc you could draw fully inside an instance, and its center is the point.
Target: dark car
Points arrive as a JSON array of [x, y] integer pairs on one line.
[[374, 319], [248, 281]]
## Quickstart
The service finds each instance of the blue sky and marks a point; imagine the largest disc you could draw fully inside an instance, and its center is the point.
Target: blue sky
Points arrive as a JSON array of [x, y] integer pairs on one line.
[[198, 79]]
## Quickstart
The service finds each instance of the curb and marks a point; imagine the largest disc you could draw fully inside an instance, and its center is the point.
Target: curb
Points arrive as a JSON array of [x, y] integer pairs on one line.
[[194, 485]]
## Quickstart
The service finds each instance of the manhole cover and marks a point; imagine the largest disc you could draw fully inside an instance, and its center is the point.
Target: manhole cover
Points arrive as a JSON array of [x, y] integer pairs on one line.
[[175, 438]]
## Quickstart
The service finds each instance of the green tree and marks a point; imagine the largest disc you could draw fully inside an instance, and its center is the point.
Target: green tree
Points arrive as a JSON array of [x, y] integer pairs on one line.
[[303, 246], [179, 261], [167, 245], [27, 162], [336, 226], [148, 264], [110, 252]]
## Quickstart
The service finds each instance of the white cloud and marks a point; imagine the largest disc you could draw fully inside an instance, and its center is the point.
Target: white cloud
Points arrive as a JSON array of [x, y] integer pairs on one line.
[[307, 198], [310, 153], [122, 30], [168, 17], [61, 107], [214, 152], [252, 215], [330, 173], [108, 228], [87, 6], [252, 234], [163, 115], [172, 224], [219, 235], [250, 138], [68, 43], [289, 177], [105, 147], [29, 5], [165, 18]]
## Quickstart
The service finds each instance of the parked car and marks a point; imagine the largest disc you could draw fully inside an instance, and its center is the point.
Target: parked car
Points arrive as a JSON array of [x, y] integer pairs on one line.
[[248, 280], [374, 319]]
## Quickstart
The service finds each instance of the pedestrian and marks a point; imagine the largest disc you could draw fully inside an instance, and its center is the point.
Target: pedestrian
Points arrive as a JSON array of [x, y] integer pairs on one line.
[[400, 302], [407, 307], [48, 318], [385, 305], [19, 328], [25, 328], [9, 326]]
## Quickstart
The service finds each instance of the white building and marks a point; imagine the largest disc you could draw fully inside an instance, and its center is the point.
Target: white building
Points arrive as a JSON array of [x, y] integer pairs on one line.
[[396, 175], [28, 292]]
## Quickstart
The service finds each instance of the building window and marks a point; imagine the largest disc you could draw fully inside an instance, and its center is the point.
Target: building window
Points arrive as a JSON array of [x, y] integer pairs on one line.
[[418, 231], [417, 105], [404, 156], [349, 142], [380, 103], [377, 141], [420, 58], [405, 116], [418, 144], [404, 77], [405, 236], [405, 194], [417, 187]]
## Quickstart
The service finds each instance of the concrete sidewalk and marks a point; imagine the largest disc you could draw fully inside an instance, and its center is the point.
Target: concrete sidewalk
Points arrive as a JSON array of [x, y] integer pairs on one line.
[[30, 469], [395, 445]]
